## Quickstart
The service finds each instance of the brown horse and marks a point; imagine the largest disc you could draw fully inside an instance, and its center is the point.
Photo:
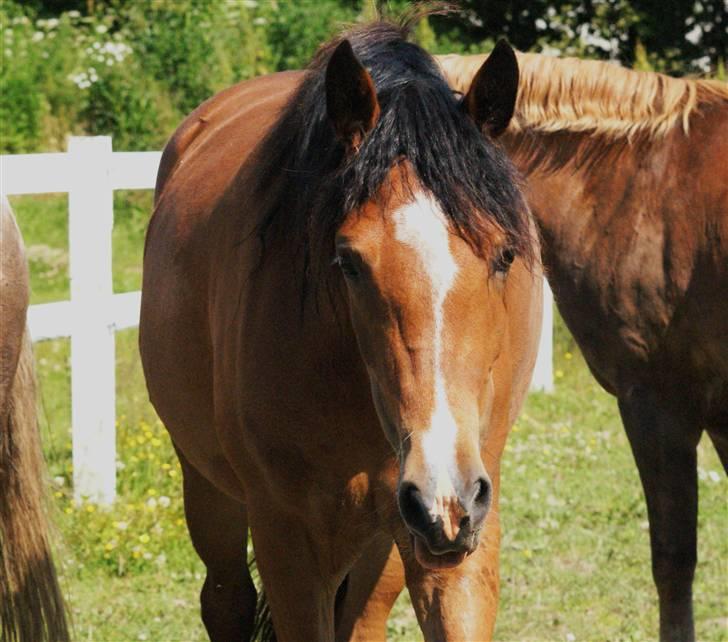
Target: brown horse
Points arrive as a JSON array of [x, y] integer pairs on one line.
[[31, 605], [340, 315], [628, 180]]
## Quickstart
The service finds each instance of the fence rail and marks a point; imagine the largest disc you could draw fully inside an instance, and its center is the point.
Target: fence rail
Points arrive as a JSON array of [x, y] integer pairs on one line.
[[90, 172]]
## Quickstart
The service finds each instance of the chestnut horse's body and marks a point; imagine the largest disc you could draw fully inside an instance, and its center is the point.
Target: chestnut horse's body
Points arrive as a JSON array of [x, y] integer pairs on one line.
[[293, 394], [31, 605], [628, 179]]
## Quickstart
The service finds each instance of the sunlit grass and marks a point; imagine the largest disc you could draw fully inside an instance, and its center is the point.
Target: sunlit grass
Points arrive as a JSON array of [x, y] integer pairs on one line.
[[575, 551]]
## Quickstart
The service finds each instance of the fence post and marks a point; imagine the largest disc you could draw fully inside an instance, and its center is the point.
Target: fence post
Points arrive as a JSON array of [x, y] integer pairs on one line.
[[543, 373], [93, 412]]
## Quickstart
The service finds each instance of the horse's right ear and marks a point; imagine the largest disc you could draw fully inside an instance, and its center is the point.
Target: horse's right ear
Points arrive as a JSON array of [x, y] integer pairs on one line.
[[351, 99], [491, 99]]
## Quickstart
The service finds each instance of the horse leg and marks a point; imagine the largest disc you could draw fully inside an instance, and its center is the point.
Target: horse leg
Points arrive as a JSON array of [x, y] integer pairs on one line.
[[295, 566], [459, 603], [664, 446], [370, 590], [218, 527]]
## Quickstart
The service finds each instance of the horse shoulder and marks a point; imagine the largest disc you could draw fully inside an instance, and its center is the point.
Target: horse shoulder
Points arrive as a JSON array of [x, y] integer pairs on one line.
[[198, 172], [214, 112]]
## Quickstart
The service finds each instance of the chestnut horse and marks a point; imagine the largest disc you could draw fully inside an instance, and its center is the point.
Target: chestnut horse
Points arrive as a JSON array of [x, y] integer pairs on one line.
[[31, 605], [340, 316], [628, 180]]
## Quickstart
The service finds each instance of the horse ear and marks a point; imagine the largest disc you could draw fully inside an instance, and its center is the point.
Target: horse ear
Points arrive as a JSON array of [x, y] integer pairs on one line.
[[351, 99], [491, 99]]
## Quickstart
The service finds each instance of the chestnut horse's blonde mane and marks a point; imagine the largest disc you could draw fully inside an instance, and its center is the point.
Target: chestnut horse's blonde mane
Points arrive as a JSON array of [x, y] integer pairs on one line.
[[595, 97]]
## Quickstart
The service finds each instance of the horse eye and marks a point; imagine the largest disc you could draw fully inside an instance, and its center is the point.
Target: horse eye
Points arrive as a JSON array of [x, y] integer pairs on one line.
[[348, 269], [504, 260]]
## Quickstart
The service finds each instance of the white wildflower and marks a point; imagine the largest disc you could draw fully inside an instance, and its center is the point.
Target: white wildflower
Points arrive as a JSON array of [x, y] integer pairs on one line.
[[547, 50], [695, 35], [703, 63]]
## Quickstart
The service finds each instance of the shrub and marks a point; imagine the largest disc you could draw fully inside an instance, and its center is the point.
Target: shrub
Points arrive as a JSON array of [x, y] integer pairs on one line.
[[21, 103]]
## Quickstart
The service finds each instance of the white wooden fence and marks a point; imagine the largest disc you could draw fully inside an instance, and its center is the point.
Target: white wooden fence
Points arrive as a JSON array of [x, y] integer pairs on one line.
[[89, 172]]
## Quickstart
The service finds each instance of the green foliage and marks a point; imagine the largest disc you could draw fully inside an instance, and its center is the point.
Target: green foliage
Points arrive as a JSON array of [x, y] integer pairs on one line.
[[135, 69], [134, 112], [21, 105], [686, 37], [641, 58], [720, 70], [295, 29], [21, 113], [178, 43]]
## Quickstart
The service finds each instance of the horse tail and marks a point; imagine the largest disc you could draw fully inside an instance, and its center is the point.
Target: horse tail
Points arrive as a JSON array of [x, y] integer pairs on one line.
[[31, 605]]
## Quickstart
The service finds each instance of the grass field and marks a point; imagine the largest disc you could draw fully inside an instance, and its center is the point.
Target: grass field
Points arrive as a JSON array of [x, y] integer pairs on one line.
[[575, 552]]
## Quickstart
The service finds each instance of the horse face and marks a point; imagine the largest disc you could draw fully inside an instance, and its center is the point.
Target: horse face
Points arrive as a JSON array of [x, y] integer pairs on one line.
[[429, 317], [430, 320]]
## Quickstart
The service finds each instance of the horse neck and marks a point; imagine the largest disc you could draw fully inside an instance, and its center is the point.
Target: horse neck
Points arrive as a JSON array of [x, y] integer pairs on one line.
[[561, 171], [570, 173]]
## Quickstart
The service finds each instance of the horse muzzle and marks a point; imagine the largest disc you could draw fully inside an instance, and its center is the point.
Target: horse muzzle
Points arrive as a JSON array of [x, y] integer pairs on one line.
[[444, 531]]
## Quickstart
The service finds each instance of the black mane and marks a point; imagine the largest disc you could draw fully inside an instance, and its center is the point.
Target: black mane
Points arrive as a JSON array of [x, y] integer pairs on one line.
[[308, 183]]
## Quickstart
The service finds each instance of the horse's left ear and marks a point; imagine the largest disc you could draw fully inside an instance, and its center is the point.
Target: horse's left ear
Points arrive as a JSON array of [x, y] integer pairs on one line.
[[491, 99], [351, 99]]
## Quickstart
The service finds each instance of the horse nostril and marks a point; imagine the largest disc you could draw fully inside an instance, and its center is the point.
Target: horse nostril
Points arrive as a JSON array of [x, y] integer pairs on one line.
[[482, 494], [412, 506]]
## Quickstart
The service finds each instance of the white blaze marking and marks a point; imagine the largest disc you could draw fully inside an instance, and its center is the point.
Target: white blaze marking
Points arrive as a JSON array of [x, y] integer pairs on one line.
[[422, 226]]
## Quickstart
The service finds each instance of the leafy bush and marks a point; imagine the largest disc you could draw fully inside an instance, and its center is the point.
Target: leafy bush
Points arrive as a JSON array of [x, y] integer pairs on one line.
[[294, 31], [134, 69], [21, 104]]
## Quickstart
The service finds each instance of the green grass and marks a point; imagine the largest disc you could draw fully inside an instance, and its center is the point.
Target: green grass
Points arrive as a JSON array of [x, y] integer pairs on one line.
[[574, 555]]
